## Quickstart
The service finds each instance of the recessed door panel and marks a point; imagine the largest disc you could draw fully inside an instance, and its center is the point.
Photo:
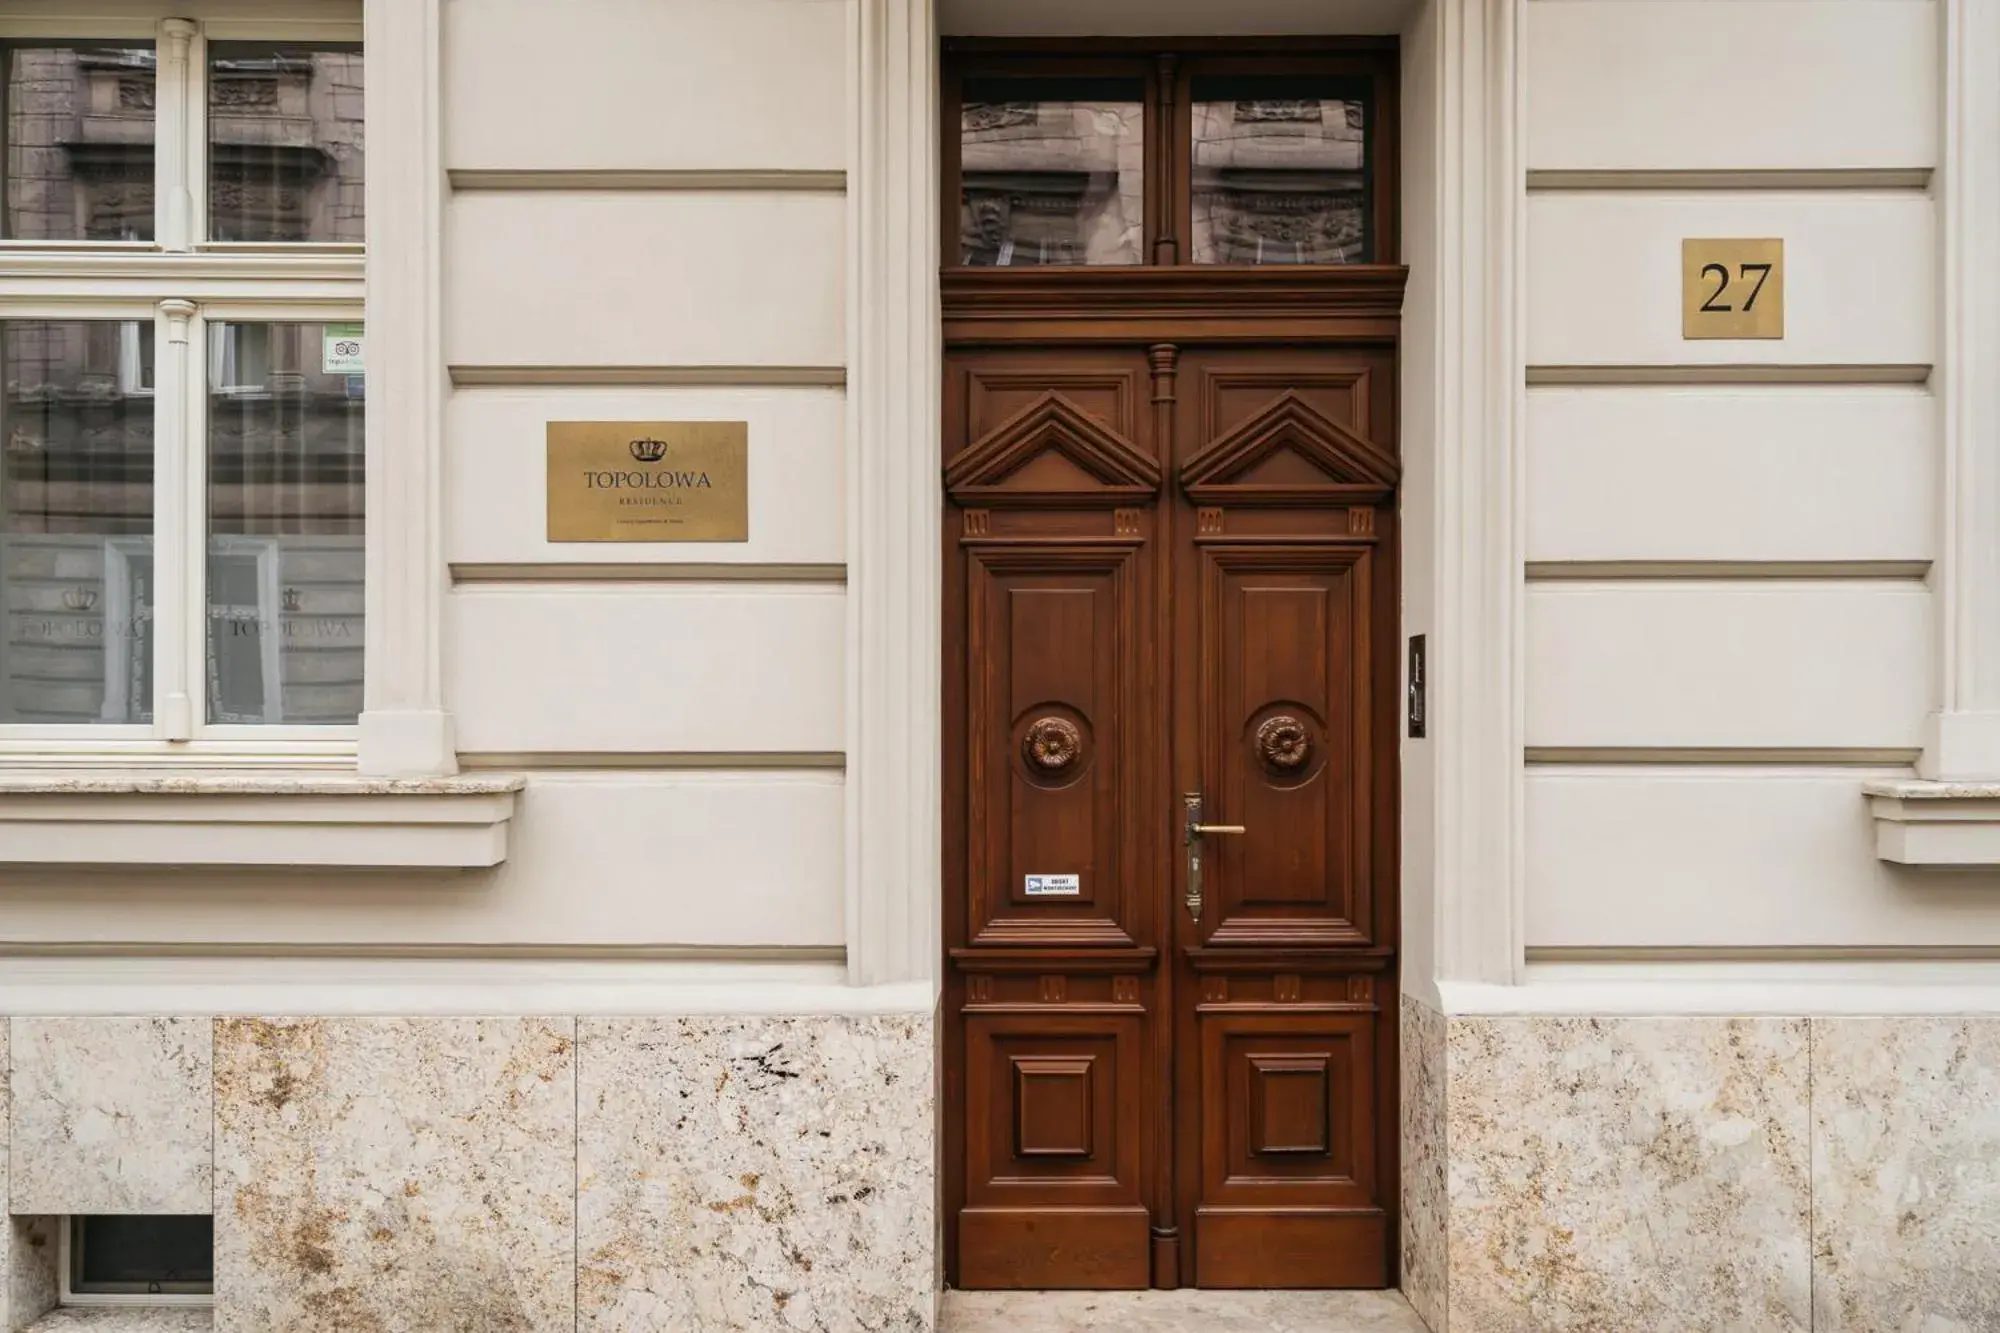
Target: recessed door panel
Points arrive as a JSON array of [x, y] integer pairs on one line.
[[1051, 744], [1055, 1122], [1285, 736]]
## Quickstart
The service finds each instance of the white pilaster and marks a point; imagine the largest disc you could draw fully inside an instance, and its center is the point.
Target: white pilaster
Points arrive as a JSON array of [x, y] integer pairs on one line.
[[1962, 739], [1475, 642], [405, 730], [894, 497]]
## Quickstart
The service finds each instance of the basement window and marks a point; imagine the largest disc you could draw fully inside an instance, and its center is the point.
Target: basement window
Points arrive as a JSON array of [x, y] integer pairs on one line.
[[166, 1259]]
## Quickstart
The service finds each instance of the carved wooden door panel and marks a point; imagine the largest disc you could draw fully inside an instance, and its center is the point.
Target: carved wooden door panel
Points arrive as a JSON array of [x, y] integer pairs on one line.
[[1057, 762], [1170, 573], [1283, 671]]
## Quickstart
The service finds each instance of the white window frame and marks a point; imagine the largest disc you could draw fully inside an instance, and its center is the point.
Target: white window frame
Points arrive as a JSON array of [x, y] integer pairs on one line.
[[183, 283]]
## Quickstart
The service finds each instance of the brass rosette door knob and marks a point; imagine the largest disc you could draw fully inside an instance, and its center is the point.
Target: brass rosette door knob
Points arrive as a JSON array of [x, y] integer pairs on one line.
[[1284, 744], [1051, 745]]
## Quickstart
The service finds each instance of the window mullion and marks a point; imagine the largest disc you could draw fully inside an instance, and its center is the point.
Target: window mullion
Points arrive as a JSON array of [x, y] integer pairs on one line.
[[179, 72], [176, 566], [195, 523], [194, 125]]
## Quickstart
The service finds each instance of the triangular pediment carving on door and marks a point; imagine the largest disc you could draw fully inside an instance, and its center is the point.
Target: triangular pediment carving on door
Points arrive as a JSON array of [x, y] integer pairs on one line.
[[1290, 453], [1052, 452]]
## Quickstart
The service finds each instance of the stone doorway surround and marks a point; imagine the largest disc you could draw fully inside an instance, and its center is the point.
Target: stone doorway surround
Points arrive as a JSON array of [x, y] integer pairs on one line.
[[1463, 401]]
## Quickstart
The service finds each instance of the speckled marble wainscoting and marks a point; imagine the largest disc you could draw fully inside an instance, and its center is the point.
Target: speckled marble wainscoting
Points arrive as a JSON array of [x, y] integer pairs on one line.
[[756, 1173], [619, 1175], [112, 1115], [1638, 1175], [1674, 1175], [395, 1175], [32, 1279], [1424, 1161], [1906, 1175]]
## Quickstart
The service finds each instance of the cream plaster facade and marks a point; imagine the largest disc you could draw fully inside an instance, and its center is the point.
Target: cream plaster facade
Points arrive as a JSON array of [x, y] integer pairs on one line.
[[1686, 1044]]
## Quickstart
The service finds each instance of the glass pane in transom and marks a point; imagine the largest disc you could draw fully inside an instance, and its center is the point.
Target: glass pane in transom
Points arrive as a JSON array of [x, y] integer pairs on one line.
[[1280, 171], [1052, 171]]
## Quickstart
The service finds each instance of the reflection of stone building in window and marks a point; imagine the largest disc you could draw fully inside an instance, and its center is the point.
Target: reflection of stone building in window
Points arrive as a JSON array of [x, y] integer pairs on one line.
[[1054, 182], [285, 521], [283, 449], [285, 144], [80, 143], [284, 460], [1279, 181], [76, 489]]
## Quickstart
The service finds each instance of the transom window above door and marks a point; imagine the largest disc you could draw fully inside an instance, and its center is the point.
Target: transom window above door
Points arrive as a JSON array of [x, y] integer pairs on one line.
[[1208, 154]]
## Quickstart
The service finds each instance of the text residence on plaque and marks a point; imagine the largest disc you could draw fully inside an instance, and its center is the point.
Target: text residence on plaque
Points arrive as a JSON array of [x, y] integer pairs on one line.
[[649, 481]]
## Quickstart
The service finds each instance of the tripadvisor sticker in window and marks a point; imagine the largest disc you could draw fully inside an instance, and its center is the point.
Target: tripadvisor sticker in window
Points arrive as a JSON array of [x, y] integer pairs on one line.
[[340, 350]]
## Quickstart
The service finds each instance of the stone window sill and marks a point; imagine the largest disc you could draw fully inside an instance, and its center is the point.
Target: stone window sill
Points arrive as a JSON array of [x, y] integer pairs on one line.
[[332, 820], [1936, 823], [126, 1319]]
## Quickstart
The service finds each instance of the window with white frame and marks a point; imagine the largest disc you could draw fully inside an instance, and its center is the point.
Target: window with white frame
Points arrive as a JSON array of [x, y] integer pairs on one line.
[[182, 381]]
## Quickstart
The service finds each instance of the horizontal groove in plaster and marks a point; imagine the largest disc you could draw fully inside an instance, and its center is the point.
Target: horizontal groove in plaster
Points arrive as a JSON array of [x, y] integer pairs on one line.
[[1831, 756], [1747, 179], [1740, 373], [604, 377], [664, 760], [697, 180], [1611, 571], [1761, 953], [660, 572], [652, 953]]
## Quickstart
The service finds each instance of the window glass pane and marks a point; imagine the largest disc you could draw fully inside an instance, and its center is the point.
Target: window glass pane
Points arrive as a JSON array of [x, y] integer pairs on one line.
[[79, 142], [284, 142], [163, 1253], [1280, 171], [284, 523], [76, 502], [1051, 171]]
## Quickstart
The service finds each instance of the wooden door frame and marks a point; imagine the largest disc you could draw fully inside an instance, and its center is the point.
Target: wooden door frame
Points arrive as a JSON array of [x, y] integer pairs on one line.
[[1169, 300]]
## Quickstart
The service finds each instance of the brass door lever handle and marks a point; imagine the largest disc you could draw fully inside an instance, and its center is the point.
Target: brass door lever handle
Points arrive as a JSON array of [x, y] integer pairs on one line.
[[1192, 832]]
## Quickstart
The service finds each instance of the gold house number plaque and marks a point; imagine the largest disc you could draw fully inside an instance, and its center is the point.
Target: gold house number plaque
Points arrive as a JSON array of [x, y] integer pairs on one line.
[[649, 481], [1732, 288]]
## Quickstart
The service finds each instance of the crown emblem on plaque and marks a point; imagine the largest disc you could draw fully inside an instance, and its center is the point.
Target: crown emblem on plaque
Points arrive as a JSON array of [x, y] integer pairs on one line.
[[79, 599], [649, 450], [291, 597]]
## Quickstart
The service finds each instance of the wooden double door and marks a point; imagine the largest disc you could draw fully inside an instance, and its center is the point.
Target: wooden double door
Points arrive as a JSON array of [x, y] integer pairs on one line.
[[1171, 655]]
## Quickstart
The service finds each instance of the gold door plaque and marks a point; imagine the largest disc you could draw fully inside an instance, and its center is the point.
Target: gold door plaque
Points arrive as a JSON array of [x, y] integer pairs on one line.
[[1732, 288], [649, 481]]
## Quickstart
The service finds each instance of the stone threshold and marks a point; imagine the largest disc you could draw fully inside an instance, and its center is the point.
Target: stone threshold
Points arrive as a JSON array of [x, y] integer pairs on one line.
[[1178, 1312]]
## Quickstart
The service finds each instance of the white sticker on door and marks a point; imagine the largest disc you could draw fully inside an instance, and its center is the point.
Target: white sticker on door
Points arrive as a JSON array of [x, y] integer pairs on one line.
[[1053, 886]]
